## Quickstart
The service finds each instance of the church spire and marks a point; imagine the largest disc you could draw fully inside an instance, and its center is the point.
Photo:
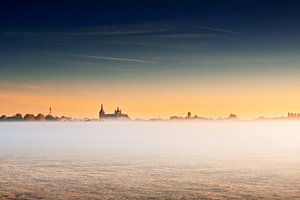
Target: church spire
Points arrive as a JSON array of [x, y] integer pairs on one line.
[[101, 112]]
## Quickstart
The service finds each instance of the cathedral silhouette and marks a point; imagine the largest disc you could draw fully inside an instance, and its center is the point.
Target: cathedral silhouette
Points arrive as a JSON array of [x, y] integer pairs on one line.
[[118, 115]]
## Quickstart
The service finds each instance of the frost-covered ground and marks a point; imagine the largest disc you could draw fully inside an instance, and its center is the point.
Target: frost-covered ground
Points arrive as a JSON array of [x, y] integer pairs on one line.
[[163, 160]]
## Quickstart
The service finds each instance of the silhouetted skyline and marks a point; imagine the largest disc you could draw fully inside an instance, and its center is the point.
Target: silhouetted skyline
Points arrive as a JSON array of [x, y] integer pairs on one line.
[[118, 115]]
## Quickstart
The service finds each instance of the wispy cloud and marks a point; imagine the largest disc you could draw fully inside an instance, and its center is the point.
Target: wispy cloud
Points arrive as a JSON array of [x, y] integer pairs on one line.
[[187, 35], [215, 29], [122, 59], [154, 45], [109, 58], [110, 68], [80, 33], [155, 27], [112, 30]]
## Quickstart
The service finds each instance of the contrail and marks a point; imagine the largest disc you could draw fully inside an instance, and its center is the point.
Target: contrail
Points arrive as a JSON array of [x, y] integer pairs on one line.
[[89, 63], [108, 58], [215, 29], [117, 59]]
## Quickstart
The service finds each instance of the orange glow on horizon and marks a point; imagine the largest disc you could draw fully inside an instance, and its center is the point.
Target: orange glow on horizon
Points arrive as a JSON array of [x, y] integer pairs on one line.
[[164, 102]]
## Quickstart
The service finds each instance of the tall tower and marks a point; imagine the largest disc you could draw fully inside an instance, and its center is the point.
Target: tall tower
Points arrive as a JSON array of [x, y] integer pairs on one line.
[[118, 112], [101, 112], [50, 110], [189, 115]]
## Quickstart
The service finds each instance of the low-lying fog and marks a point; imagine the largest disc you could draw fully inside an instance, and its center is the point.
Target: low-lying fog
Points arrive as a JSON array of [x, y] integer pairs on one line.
[[92, 160]]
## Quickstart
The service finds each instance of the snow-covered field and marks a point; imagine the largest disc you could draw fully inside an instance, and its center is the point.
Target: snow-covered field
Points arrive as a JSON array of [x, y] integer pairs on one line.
[[166, 160]]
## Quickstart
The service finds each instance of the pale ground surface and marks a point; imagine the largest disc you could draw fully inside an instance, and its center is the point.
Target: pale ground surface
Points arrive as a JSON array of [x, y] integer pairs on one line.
[[151, 160]]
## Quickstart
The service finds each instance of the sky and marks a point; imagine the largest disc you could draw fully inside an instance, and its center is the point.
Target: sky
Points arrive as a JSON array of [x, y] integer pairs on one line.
[[152, 59]]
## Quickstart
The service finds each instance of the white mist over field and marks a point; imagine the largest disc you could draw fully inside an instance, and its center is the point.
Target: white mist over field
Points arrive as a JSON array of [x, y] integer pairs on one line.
[[130, 160]]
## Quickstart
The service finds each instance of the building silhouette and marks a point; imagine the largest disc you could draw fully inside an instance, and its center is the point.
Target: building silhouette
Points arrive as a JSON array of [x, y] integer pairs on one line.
[[293, 115], [189, 115], [117, 115]]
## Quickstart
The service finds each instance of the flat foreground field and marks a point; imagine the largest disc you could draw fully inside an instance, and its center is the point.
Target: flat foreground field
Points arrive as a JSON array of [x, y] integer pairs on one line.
[[150, 160]]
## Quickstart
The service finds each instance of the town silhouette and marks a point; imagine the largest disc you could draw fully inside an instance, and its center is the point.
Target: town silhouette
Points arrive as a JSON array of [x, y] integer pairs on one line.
[[118, 115]]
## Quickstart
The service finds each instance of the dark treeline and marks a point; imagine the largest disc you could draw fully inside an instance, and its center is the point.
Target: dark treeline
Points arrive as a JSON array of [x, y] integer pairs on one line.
[[32, 117]]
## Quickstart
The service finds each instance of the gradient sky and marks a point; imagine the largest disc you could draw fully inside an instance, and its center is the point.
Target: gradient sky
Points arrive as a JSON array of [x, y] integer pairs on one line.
[[154, 59]]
